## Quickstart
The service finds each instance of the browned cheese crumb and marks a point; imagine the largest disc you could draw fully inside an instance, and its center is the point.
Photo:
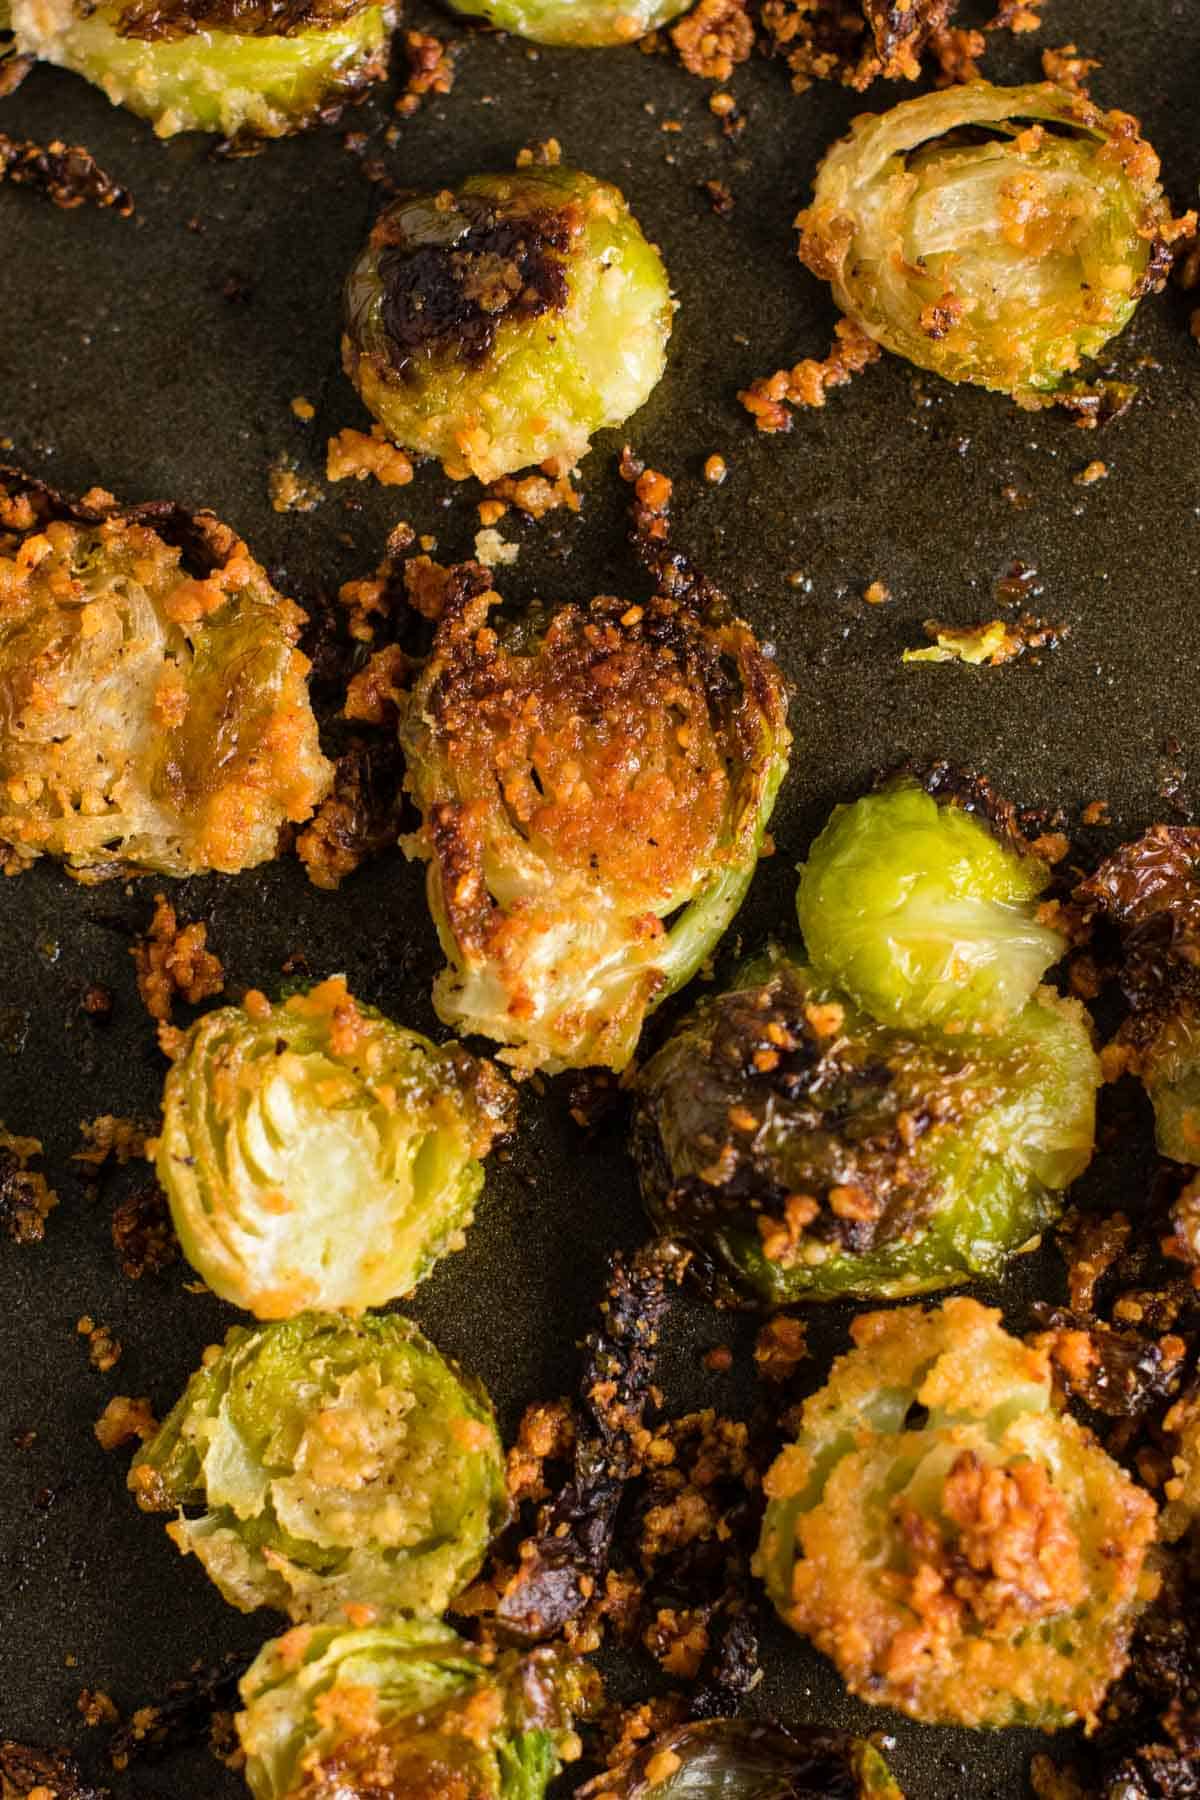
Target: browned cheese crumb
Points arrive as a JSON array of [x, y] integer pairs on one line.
[[630, 1727], [956, 52], [303, 408], [877, 593], [718, 1360], [1054, 1781], [123, 1420], [534, 495], [68, 175], [290, 491], [715, 470], [172, 960], [1093, 472], [546, 1434], [96, 1707], [808, 383], [992, 643], [544, 153], [838, 40], [25, 1197], [357, 454], [104, 1347], [720, 198], [1018, 16], [110, 1136], [713, 37], [780, 1347], [1066, 66], [430, 70], [142, 1234], [223, 1741]]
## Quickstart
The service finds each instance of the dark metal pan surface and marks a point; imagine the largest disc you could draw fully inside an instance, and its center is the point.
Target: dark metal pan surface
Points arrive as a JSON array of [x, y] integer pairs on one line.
[[159, 356]]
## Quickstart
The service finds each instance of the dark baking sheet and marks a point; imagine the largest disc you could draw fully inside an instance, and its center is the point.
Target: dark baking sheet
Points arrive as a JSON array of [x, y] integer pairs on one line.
[[159, 357]]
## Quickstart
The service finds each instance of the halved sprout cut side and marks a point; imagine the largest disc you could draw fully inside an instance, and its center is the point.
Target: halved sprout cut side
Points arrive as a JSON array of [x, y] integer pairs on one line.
[[960, 1548], [321, 1462], [595, 787], [317, 1155], [501, 326], [994, 235], [576, 23], [810, 1153], [922, 913], [406, 1707]]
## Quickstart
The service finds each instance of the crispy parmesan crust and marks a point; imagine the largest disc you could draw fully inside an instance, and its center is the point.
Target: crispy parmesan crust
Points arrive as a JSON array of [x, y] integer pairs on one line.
[[154, 710], [962, 1551]]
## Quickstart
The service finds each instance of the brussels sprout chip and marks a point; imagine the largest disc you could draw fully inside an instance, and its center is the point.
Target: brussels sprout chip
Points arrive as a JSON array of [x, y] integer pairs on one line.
[[581, 23], [740, 1759], [254, 67], [337, 1463], [993, 235], [595, 788], [810, 1153], [959, 1547], [154, 709], [316, 1155], [503, 324], [406, 1708], [924, 914]]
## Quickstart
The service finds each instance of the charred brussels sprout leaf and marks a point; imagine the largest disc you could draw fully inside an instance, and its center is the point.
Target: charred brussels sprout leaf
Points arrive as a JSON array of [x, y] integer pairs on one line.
[[254, 67], [154, 710], [316, 1155], [406, 1708], [993, 235], [961, 1549], [739, 1759], [503, 325], [335, 1462], [923, 914], [809, 1152], [594, 789], [581, 23]]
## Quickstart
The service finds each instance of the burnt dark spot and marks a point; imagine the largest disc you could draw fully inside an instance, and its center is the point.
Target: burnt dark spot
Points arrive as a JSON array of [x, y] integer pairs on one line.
[[451, 295]]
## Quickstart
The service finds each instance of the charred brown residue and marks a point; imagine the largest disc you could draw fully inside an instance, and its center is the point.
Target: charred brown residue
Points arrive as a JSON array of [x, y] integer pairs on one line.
[[183, 1716], [54, 1774], [360, 816], [25, 1198], [158, 21], [453, 270], [67, 174]]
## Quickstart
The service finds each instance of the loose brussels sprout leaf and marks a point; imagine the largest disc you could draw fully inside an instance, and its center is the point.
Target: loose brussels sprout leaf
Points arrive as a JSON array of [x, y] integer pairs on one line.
[[739, 1759], [505, 328], [960, 1548], [259, 69], [154, 710], [595, 788], [321, 1462], [406, 1708], [316, 1155], [809, 1153], [993, 235], [577, 22], [924, 914]]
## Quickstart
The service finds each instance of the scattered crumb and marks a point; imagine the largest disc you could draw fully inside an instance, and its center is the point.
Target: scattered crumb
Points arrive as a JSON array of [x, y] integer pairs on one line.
[[223, 1741], [111, 1136], [172, 960], [358, 454], [492, 550], [1095, 471], [992, 643], [718, 1360], [1095, 813], [123, 1420], [25, 1198], [142, 1234], [808, 383], [720, 198], [104, 1348], [68, 175], [96, 1707], [491, 511], [545, 153], [289, 490], [715, 470], [430, 70], [713, 37], [956, 52], [780, 1347], [876, 593], [534, 495], [546, 1434], [1068, 67], [1018, 16], [303, 409]]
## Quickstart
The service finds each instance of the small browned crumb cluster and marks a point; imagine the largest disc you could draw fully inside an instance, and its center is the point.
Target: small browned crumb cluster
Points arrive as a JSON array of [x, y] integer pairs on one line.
[[104, 1347], [67, 174], [142, 1234], [780, 1347], [651, 498], [27, 1773], [357, 454], [993, 643], [430, 70], [124, 1419], [839, 40], [25, 1197], [172, 961], [290, 491], [715, 35], [1066, 66], [96, 1707], [533, 495], [956, 52], [808, 383], [543, 153], [111, 1137], [546, 1434]]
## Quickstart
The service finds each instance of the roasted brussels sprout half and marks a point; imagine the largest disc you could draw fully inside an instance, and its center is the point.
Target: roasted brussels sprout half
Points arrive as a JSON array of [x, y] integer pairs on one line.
[[993, 235], [501, 324], [924, 914], [254, 67], [581, 23], [740, 1759], [322, 1462], [406, 1708], [960, 1548], [154, 709], [316, 1155], [594, 787], [809, 1152]]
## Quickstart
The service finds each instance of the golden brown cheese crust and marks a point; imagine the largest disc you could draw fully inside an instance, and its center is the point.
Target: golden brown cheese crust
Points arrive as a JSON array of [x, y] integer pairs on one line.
[[154, 710]]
